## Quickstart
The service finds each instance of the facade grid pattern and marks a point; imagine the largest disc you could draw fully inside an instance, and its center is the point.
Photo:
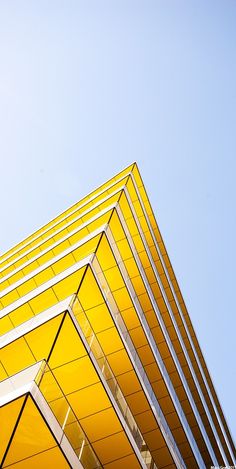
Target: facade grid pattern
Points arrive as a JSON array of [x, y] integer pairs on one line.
[[100, 366]]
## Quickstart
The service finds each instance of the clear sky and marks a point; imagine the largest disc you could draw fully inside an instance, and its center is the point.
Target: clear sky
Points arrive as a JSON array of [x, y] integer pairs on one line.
[[87, 87]]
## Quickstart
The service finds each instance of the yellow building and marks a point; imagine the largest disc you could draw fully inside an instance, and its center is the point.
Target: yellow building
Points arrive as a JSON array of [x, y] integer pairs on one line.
[[99, 362]]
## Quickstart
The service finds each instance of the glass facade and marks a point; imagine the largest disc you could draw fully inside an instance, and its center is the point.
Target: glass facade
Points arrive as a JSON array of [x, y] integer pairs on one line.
[[99, 362]]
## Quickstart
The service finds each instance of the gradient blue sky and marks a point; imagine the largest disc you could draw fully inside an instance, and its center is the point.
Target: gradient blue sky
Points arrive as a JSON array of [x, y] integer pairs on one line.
[[87, 87]]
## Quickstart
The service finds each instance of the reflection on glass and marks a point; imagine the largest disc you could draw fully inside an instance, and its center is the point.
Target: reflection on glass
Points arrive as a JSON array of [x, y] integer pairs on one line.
[[111, 381], [43, 377]]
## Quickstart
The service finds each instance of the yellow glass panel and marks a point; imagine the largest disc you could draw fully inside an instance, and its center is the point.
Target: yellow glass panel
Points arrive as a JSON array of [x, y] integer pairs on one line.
[[63, 264], [102, 220], [101, 425], [17, 276], [122, 299], [119, 362], [63, 413], [4, 263], [138, 337], [26, 287], [110, 201], [124, 249], [87, 248], [86, 457], [61, 247], [98, 198], [161, 390], [131, 223], [76, 224], [145, 302], [151, 318], [115, 187], [125, 207], [50, 389], [16, 356], [31, 437], [87, 212], [99, 318], [76, 375], [153, 372], [10, 252], [32, 243], [3, 373], [154, 439], [43, 276], [163, 455], [128, 383], [84, 324], [79, 235], [138, 209], [143, 195], [46, 459], [68, 285], [4, 285], [138, 285], [144, 226], [8, 416], [10, 298], [58, 226], [110, 340], [40, 340], [130, 462], [71, 218], [113, 447], [130, 318], [148, 208], [154, 254], [137, 177], [137, 402], [132, 190], [104, 255], [16, 264], [159, 338], [156, 290], [21, 314], [139, 245], [29, 255], [131, 267], [89, 293], [68, 345], [89, 400], [114, 278], [146, 421], [35, 251], [116, 228], [87, 216], [7, 270], [30, 267], [146, 355], [60, 235], [48, 243], [5, 325], [150, 275], [45, 257], [43, 301]]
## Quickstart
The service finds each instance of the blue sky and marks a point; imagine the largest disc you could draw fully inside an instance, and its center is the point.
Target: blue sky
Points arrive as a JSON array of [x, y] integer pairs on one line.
[[87, 87]]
